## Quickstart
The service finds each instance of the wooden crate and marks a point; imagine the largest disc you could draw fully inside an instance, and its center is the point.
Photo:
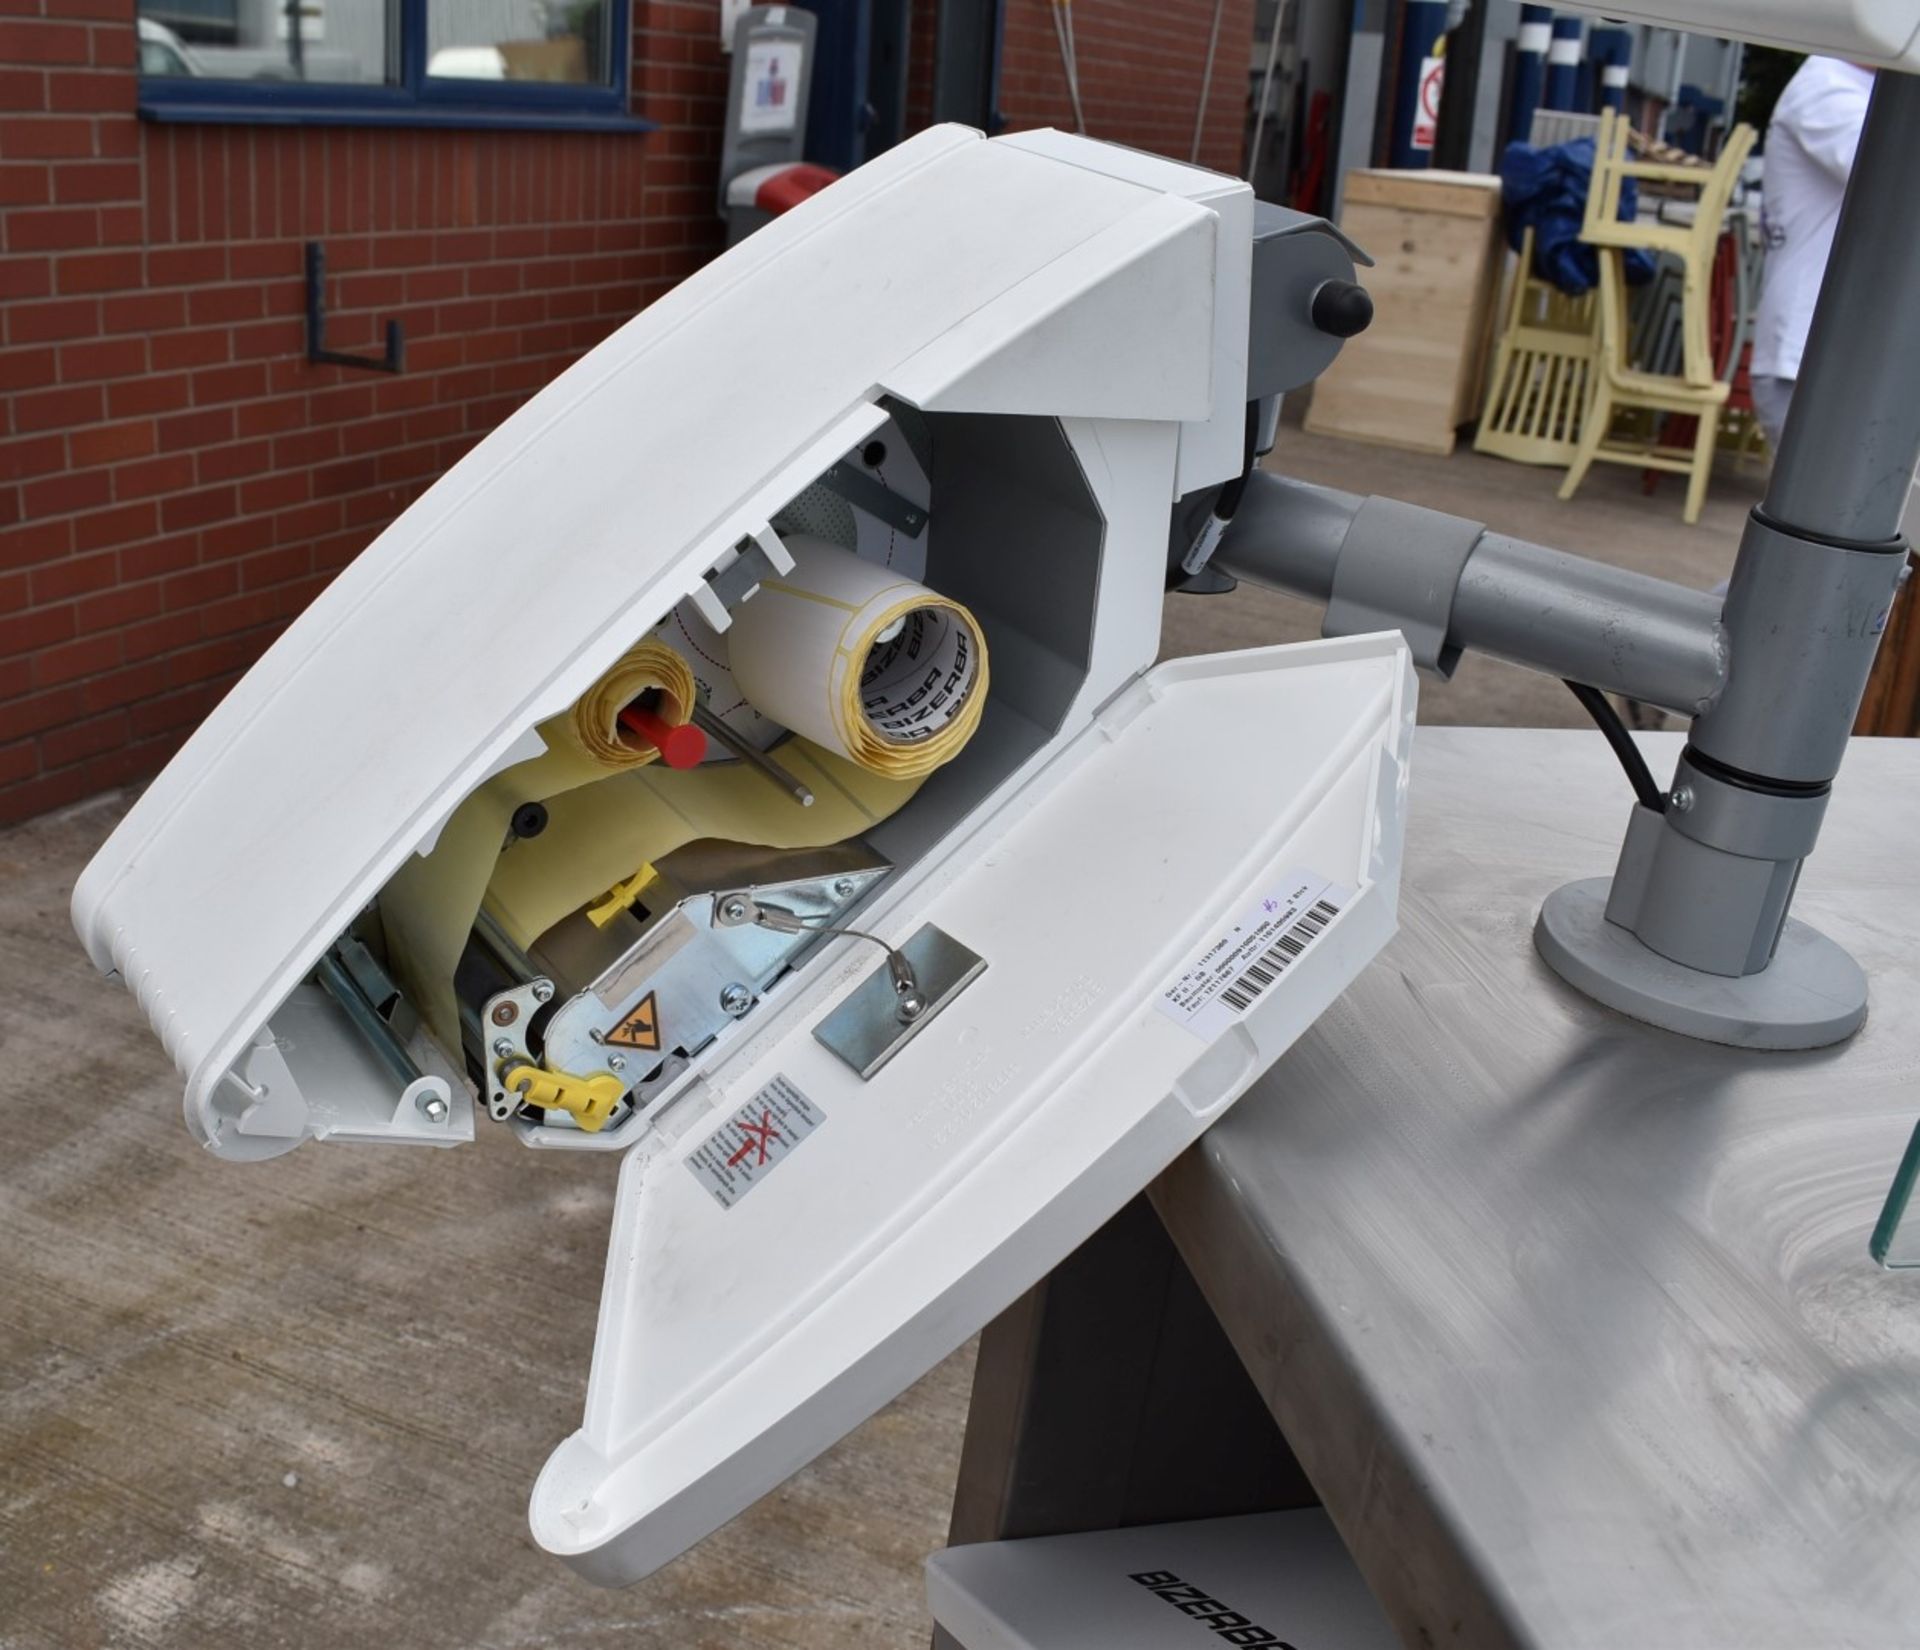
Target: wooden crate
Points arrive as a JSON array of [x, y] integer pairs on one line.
[[1414, 376]]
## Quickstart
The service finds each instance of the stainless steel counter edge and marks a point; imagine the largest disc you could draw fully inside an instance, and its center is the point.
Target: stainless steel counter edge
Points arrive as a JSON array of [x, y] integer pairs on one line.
[[1572, 1322]]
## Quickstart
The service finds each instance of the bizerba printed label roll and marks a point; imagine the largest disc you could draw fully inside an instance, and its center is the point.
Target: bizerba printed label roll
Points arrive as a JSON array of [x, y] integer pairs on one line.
[[874, 667]]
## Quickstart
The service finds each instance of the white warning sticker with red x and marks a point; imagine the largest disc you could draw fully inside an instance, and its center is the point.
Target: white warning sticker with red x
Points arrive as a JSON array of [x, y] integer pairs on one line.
[[754, 1141]]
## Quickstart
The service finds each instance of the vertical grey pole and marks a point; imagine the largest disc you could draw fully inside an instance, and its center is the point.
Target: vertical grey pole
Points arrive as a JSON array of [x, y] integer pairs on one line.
[[1821, 557], [1696, 935], [1847, 456]]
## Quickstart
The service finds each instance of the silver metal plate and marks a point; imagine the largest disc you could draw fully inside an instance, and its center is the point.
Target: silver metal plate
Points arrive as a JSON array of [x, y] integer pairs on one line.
[[866, 1030], [680, 966]]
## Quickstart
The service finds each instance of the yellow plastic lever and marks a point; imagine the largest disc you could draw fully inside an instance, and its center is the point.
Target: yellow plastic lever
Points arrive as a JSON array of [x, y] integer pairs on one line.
[[620, 896], [590, 1099]]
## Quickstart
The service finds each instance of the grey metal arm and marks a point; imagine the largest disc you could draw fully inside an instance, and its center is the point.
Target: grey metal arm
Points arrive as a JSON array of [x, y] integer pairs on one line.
[[1622, 631], [1692, 931]]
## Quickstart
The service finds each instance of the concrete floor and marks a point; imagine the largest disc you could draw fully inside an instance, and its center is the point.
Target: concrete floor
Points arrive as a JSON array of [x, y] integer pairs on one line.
[[300, 1404]]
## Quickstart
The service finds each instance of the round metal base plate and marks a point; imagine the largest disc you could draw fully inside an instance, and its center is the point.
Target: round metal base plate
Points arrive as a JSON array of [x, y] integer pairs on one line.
[[1812, 993]]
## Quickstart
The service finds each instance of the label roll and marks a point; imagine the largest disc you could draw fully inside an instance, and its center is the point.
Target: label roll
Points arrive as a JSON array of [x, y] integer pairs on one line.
[[593, 728], [871, 666]]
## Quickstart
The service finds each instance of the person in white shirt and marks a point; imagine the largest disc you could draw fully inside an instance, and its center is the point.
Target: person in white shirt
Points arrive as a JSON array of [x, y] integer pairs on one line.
[[1809, 155]]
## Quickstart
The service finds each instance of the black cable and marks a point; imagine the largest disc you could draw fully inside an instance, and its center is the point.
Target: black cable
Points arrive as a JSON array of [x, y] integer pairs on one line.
[[1230, 495], [1214, 522], [1639, 775]]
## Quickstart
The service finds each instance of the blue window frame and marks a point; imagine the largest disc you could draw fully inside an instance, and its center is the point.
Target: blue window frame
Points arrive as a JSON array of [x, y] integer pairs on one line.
[[197, 64]]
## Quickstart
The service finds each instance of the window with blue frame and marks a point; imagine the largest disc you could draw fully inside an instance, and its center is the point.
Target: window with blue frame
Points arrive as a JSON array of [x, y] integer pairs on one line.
[[417, 62]]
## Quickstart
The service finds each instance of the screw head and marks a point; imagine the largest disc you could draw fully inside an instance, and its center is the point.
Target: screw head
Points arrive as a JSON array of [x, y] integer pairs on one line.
[[735, 999], [502, 1049], [1682, 798], [842, 887], [504, 1014], [733, 909], [433, 1107], [911, 1005], [618, 1062], [543, 991]]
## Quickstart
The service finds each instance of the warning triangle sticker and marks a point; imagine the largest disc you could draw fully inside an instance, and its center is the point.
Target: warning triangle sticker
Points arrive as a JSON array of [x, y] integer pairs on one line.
[[640, 1029]]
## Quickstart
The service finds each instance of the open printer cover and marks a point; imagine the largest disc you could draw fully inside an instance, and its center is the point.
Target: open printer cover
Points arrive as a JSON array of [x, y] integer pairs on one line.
[[751, 758]]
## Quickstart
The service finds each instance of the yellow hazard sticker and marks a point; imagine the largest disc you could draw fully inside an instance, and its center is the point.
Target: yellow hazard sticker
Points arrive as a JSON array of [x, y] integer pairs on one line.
[[641, 1028]]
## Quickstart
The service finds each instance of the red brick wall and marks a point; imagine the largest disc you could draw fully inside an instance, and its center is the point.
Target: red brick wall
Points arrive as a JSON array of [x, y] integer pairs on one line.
[[176, 481], [1141, 66], [1140, 71]]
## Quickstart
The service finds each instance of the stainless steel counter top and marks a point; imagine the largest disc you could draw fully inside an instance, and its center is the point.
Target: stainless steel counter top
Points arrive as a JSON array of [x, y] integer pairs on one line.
[[1572, 1322]]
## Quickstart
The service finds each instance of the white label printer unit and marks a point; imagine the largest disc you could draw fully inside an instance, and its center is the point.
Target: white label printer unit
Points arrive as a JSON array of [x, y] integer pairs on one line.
[[750, 759]]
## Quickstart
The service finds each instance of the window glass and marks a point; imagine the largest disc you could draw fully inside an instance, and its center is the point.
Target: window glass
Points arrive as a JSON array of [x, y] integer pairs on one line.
[[323, 41], [561, 41]]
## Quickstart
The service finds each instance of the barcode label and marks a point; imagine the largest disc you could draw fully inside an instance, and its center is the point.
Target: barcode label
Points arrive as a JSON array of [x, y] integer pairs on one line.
[[1244, 963], [1278, 957]]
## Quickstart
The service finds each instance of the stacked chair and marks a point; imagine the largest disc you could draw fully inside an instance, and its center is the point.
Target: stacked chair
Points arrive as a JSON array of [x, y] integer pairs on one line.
[[1737, 276], [1542, 375], [1697, 390], [1543, 371]]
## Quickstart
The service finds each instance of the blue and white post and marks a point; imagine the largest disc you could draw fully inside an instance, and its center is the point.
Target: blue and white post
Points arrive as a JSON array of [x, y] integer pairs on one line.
[[1563, 66], [1610, 50], [1529, 70]]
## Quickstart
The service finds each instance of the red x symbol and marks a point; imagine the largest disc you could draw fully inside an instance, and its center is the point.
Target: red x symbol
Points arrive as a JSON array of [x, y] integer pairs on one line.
[[759, 1136]]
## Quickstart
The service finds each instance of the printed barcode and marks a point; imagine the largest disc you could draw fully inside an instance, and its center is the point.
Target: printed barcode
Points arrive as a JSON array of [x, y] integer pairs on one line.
[[1279, 957]]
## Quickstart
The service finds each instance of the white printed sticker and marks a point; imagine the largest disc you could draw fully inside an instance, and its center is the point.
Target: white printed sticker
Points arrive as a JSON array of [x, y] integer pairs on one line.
[[1426, 115], [773, 75], [754, 1141], [1237, 969]]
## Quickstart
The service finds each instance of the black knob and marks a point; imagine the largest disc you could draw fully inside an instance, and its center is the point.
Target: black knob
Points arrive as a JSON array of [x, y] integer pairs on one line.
[[529, 820], [1341, 308]]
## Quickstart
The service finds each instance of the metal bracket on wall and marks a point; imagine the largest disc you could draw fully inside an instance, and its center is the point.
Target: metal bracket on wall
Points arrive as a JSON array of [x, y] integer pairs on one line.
[[317, 351]]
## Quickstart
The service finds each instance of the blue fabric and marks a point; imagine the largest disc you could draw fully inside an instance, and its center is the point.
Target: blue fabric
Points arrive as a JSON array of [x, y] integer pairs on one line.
[[1546, 190]]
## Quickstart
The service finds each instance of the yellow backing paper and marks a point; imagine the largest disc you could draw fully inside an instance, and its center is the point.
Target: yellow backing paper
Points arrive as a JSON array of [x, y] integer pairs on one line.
[[601, 828], [593, 725]]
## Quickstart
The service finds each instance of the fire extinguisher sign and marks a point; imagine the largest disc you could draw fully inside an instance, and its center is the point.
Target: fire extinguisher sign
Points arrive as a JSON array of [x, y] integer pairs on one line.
[[1426, 114]]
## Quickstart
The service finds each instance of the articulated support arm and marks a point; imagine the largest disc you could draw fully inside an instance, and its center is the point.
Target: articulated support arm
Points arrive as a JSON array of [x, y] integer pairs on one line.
[[1692, 931], [1452, 587]]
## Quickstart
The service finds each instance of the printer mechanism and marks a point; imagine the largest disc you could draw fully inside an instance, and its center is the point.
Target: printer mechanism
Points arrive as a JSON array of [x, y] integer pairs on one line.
[[593, 920], [751, 758]]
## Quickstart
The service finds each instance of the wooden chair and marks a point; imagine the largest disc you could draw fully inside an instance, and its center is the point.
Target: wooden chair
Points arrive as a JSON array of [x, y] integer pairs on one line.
[[1657, 342], [1543, 366], [1740, 431], [1697, 389]]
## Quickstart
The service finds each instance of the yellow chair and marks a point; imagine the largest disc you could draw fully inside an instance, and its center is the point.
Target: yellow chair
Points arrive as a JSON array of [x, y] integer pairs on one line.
[[1543, 366], [1696, 391]]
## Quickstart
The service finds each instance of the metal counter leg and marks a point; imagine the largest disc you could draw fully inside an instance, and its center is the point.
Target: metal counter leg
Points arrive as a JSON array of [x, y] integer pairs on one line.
[[1108, 1396]]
